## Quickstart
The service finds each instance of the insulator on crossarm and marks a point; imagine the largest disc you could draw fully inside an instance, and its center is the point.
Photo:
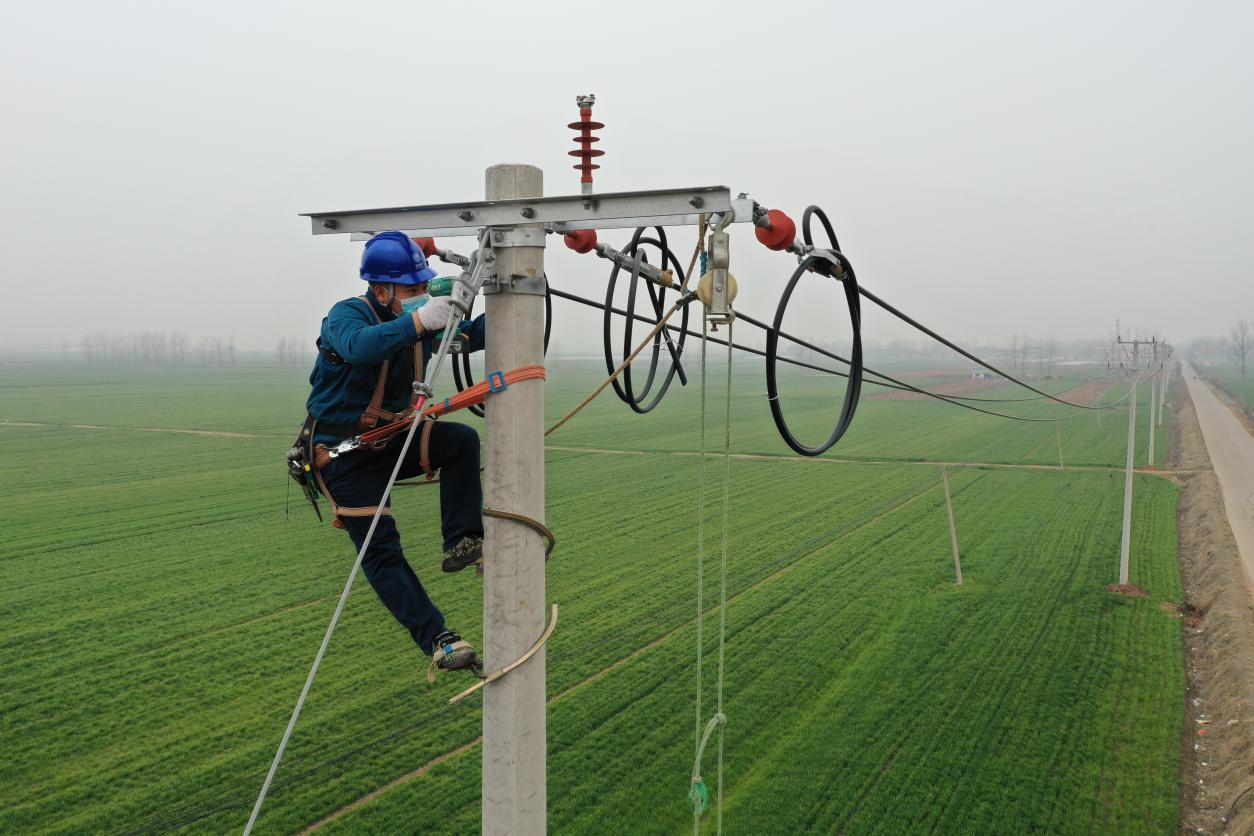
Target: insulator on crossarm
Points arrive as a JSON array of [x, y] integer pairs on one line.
[[779, 233], [585, 152], [581, 240]]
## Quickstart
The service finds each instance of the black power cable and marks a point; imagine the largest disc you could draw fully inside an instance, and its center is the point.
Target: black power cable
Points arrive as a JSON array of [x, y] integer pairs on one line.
[[818, 262], [894, 385], [815, 211], [623, 386], [906, 318], [887, 381], [688, 332]]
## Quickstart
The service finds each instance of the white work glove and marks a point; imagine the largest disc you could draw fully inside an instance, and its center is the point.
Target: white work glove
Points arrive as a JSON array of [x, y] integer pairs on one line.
[[437, 314]]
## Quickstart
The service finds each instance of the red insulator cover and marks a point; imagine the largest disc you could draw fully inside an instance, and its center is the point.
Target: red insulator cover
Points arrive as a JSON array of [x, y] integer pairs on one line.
[[581, 240], [427, 245], [585, 152], [780, 234]]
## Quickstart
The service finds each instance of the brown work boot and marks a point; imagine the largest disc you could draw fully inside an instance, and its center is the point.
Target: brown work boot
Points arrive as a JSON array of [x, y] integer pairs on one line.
[[450, 653], [466, 553]]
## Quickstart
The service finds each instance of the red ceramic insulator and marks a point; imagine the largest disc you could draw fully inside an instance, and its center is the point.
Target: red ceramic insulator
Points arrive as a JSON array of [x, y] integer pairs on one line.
[[780, 234], [581, 240], [427, 245]]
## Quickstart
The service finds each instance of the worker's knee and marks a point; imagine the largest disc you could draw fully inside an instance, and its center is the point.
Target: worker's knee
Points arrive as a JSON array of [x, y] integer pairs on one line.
[[458, 440]]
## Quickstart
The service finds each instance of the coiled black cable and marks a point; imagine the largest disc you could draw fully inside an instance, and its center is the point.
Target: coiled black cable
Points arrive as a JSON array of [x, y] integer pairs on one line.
[[623, 386], [818, 262]]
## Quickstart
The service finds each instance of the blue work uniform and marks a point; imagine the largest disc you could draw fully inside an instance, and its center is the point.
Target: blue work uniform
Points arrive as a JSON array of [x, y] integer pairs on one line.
[[364, 334]]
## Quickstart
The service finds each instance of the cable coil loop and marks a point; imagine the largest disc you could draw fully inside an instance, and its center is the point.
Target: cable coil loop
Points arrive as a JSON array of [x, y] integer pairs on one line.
[[638, 401], [821, 261]]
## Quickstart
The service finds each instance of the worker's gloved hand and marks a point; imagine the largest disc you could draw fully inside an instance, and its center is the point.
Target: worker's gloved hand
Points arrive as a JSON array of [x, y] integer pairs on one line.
[[436, 314]]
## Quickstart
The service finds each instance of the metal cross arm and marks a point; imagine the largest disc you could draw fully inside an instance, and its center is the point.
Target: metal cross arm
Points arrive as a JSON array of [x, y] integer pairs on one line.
[[613, 210]]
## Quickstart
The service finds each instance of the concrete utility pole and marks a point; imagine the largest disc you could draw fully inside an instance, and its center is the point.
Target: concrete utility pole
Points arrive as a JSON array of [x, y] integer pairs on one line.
[[953, 531], [1058, 435], [514, 773], [1162, 388], [1125, 544], [1152, 403]]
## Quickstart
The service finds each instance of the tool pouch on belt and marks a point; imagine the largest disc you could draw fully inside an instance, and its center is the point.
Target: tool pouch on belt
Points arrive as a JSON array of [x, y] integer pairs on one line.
[[300, 463]]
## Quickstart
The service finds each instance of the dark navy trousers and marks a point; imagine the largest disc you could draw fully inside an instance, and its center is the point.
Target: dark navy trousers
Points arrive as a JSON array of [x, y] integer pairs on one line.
[[357, 480]]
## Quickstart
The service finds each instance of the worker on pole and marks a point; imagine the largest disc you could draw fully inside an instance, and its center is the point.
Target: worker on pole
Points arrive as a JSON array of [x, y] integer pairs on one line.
[[371, 351]]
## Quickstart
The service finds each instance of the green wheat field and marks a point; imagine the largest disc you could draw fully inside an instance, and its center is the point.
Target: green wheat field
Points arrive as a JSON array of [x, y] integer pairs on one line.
[[159, 610]]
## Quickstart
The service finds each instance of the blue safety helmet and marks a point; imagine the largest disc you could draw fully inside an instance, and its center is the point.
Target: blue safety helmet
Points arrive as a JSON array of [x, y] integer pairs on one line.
[[392, 257]]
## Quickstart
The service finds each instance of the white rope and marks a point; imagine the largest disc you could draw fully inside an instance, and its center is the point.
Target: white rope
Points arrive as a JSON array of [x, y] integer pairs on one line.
[[326, 639], [698, 793], [722, 581], [699, 740]]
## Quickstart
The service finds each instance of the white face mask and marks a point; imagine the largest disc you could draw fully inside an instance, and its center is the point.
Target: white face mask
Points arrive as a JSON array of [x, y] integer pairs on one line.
[[413, 303]]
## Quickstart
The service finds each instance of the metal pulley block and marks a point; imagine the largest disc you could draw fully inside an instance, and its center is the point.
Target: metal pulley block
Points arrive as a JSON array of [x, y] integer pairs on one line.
[[718, 310], [717, 288]]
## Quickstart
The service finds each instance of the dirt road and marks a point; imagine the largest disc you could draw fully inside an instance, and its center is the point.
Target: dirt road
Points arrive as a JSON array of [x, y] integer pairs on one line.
[[1231, 450]]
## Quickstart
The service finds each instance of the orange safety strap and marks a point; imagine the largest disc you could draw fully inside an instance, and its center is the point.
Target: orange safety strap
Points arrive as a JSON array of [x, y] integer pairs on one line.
[[477, 394], [497, 381]]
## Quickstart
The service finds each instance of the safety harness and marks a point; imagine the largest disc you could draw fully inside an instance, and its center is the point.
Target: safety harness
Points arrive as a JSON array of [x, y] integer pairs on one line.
[[306, 459]]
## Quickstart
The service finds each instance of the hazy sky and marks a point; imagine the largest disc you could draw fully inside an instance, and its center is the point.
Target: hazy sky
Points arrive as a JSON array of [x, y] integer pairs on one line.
[[992, 167]]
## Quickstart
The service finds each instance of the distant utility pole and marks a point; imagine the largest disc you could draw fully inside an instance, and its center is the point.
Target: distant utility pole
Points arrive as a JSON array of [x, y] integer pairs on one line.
[[1165, 366], [1134, 369], [1152, 423], [953, 531], [1058, 435]]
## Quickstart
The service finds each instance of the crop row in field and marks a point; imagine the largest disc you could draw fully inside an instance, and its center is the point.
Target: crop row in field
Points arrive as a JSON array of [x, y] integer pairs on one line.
[[867, 694]]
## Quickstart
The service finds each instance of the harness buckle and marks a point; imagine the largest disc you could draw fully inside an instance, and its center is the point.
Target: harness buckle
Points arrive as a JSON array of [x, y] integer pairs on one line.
[[348, 445]]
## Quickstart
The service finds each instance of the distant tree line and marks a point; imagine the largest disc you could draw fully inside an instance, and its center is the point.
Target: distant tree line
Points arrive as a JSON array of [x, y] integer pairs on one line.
[[1238, 345], [294, 351], [156, 349], [1029, 355], [1240, 339]]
